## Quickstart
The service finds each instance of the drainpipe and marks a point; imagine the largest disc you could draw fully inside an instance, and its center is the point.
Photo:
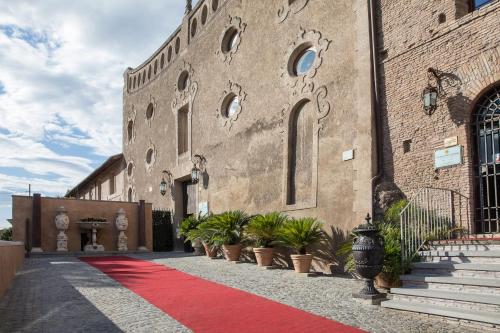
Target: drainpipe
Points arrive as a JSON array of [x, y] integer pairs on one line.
[[375, 82]]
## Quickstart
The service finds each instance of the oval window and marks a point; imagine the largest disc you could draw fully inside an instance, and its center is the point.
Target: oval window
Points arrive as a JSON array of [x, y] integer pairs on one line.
[[130, 130], [182, 82], [130, 169], [162, 60], [194, 25], [134, 82], [215, 5], [149, 111], [149, 156], [231, 104], [169, 54], [305, 61], [177, 45], [230, 40], [204, 15]]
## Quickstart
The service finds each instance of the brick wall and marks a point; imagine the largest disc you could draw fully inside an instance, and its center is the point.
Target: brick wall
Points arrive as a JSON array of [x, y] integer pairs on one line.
[[465, 47]]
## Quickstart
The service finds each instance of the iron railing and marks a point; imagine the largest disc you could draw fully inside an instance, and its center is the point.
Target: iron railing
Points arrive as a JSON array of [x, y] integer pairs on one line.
[[433, 214]]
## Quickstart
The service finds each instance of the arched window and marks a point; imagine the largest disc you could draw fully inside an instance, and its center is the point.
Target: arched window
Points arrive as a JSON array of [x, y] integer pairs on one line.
[[130, 198], [300, 153], [486, 134]]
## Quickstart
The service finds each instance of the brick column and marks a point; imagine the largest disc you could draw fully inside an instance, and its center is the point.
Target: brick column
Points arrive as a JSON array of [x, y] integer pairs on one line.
[[36, 224], [142, 226]]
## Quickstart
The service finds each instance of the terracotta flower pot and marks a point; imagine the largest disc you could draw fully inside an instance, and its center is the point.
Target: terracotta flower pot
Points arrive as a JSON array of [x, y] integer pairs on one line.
[[302, 262], [383, 281], [211, 252], [264, 256], [232, 252]]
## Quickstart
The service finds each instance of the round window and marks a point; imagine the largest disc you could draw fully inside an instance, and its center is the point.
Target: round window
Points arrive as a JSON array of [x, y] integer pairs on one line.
[[215, 5], [149, 72], [177, 45], [194, 25], [230, 40], [156, 67], [139, 81], [149, 111], [304, 61], [162, 60], [231, 105], [169, 54], [149, 156], [204, 14], [182, 82]]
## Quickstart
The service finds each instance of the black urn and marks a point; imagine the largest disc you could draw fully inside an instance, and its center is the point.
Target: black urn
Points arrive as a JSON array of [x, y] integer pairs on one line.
[[368, 253]]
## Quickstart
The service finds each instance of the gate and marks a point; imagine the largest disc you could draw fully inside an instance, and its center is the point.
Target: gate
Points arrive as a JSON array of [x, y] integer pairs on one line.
[[163, 237]]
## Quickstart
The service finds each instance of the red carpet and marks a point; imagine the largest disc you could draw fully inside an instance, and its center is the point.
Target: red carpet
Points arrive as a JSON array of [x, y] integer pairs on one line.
[[205, 306]]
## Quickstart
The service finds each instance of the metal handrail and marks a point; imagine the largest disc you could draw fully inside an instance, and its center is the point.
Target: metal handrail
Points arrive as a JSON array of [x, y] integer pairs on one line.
[[433, 214]]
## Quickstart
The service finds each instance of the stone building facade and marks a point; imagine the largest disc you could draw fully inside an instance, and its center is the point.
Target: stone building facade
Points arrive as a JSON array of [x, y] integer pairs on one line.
[[105, 183], [226, 86], [460, 40]]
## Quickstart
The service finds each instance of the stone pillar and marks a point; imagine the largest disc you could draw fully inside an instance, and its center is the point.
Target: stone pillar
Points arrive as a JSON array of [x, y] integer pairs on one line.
[[142, 225], [62, 224], [122, 225], [36, 241]]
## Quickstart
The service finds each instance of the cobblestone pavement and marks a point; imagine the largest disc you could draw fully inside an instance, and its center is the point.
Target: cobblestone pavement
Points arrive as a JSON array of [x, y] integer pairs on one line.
[[63, 294]]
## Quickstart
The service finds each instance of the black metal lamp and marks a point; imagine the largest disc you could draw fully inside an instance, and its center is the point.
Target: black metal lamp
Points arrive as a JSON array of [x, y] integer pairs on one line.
[[198, 168], [429, 98], [164, 185]]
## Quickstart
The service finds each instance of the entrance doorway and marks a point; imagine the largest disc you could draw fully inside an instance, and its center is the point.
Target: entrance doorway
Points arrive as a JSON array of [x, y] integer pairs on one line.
[[486, 135], [185, 206]]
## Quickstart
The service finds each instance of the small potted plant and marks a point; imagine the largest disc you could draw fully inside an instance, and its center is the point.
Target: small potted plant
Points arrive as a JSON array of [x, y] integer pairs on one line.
[[204, 233], [227, 231], [263, 231], [298, 234], [187, 225]]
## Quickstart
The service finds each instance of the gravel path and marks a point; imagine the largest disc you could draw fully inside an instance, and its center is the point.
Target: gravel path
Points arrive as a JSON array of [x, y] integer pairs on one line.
[[63, 294]]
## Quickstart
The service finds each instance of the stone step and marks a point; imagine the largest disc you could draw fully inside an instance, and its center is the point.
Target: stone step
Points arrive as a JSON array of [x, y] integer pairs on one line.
[[450, 283], [492, 318], [465, 245], [471, 301], [489, 256], [475, 270]]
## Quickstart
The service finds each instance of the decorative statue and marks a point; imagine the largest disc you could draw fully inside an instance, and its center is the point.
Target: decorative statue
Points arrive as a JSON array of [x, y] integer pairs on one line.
[[62, 224], [122, 225]]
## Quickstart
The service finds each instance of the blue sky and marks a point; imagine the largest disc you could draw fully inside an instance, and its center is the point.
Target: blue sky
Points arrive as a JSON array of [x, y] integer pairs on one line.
[[61, 80]]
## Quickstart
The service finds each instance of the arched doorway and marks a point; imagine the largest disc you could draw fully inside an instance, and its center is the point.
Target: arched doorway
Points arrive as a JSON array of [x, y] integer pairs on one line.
[[486, 140]]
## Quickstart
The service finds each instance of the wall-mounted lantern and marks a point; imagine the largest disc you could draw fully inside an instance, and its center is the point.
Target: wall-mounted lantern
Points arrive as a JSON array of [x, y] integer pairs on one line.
[[199, 163], [167, 182], [432, 92]]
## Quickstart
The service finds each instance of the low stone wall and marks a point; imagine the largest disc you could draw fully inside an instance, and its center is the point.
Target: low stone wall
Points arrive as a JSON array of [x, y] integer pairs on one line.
[[11, 259], [34, 222]]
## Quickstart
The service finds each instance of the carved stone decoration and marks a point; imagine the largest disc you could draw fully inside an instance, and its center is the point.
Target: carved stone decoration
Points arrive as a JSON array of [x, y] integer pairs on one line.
[[149, 166], [62, 224], [149, 120], [237, 25], [305, 40], [184, 98], [122, 225], [231, 90], [290, 7], [321, 108]]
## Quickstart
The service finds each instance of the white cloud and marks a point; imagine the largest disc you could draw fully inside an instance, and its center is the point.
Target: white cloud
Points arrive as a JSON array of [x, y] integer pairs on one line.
[[61, 73]]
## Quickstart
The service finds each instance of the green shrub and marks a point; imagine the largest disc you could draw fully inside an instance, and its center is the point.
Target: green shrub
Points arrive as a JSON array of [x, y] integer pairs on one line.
[[227, 228], [263, 229], [6, 235], [191, 223], [298, 234]]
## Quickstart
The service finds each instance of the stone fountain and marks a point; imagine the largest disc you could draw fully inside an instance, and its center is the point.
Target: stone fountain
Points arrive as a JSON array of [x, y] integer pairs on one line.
[[94, 225]]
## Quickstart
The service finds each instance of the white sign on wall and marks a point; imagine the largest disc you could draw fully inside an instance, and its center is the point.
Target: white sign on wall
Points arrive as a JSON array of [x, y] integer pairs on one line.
[[203, 208], [348, 155], [448, 157]]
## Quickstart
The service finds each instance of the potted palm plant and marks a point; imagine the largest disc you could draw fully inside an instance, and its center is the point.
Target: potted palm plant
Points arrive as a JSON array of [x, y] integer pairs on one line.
[[227, 231], [299, 234], [188, 224], [204, 233], [263, 231]]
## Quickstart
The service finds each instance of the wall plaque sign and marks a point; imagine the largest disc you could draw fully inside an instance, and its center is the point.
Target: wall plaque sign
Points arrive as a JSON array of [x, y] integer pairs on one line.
[[448, 157], [203, 208], [348, 155], [451, 141]]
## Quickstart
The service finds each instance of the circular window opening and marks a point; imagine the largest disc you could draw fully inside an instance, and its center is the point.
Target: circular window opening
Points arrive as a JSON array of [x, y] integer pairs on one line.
[[304, 61], [156, 67], [130, 130], [230, 105], [162, 60], [177, 45], [193, 27], [230, 40], [139, 81], [149, 72], [149, 111], [144, 76], [215, 5], [182, 82], [149, 156], [204, 15], [130, 169], [169, 54]]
